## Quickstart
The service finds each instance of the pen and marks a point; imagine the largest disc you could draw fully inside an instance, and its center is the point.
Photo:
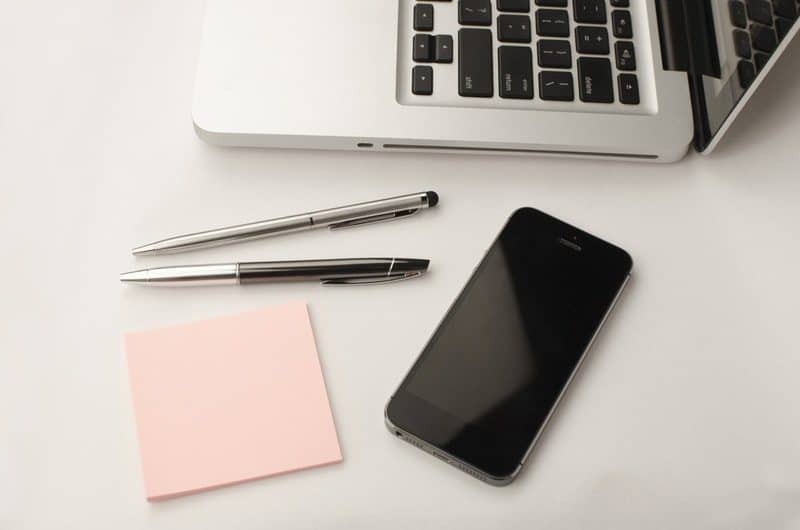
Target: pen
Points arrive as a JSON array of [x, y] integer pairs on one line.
[[353, 215], [327, 271]]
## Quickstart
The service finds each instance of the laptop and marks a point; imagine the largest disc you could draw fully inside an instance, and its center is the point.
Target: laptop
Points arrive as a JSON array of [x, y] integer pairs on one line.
[[625, 79]]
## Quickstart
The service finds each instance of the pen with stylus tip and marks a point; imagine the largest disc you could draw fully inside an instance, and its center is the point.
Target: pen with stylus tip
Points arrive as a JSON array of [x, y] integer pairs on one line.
[[342, 217], [327, 271]]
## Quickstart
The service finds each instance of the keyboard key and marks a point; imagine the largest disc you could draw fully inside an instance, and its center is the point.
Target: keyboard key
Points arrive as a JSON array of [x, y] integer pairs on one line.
[[475, 12], [444, 48], [556, 86], [514, 64], [594, 79], [514, 28], [552, 23], [785, 8], [423, 17], [746, 73], [514, 6], [782, 26], [738, 14], [619, 3], [621, 24], [626, 56], [423, 48], [759, 11], [628, 87], [554, 54], [551, 3], [741, 43], [761, 60], [475, 63], [592, 40], [422, 80], [763, 38], [590, 11]]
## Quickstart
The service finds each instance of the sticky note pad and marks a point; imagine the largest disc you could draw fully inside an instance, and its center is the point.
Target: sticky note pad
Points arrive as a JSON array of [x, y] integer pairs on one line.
[[229, 400]]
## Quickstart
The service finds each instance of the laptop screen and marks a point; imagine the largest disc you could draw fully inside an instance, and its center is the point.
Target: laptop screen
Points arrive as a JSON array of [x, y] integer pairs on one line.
[[748, 33]]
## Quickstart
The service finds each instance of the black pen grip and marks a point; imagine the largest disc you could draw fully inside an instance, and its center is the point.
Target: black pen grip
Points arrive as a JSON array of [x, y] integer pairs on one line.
[[260, 272]]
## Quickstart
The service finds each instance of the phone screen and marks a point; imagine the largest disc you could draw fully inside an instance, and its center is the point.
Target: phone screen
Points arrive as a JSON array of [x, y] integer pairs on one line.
[[488, 378]]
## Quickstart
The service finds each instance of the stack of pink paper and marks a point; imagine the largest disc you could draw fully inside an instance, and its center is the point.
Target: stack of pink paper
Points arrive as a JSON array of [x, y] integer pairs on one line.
[[229, 400]]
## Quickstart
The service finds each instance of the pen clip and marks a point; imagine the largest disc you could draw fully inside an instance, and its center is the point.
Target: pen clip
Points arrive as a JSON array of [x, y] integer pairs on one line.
[[392, 216], [367, 280]]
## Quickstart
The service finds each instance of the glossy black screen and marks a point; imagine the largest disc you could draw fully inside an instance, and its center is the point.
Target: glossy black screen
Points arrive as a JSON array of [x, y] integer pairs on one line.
[[489, 376]]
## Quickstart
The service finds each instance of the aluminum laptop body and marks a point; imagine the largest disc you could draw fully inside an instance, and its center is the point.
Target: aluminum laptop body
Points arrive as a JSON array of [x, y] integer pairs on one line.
[[496, 76]]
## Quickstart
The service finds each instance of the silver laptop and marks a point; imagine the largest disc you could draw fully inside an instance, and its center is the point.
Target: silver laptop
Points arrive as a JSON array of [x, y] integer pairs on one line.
[[629, 79]]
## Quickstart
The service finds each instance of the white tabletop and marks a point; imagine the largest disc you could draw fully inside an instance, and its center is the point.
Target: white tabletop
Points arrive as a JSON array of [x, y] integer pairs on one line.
[[686, 415]]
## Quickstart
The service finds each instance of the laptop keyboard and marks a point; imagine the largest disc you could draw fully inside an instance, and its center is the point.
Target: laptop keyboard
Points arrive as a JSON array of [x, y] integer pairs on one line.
[[759, 26], [578, 51]]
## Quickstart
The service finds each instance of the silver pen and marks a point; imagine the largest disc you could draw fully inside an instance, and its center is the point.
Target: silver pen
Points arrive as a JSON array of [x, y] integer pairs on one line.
[[327, 271], [344, 216]]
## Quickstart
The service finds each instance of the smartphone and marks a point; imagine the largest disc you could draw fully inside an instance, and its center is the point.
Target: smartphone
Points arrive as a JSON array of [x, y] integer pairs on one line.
[[490, 377]]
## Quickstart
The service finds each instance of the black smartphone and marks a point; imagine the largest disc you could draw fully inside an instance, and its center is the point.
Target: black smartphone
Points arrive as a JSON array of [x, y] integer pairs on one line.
[[485, 385]]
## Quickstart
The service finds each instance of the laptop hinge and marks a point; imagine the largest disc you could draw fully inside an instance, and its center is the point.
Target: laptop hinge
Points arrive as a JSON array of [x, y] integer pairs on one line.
[[688, 39], [689, 44]]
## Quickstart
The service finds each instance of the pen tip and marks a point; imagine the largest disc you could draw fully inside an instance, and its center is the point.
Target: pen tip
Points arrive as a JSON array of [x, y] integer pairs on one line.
[[144, 250], [134, 277], [433, 198]]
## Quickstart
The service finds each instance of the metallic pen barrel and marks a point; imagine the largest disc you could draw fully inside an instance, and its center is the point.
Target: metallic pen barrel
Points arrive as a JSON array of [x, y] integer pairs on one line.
[[327, 271], [224, 236], [221, 274], [345, 216]]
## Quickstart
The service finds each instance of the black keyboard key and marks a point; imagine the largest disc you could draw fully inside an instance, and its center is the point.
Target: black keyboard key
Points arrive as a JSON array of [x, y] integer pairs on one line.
[[621, 24], [785, 8], [444, 48], [556, 86], [475, 63], [423, 48], [423, 17], [619, 3], [594, 79], [782, 26], [514, 6], [592, 40], [626, 55], [551, 3], [761, 60], [422, 80], [475, 12], [738, 14], [590, 11], [552, 23], [628, 87], [741, 43], [554, 53], [763, 38], [515, 68], [514, 28], [746, 73], [759, 11]]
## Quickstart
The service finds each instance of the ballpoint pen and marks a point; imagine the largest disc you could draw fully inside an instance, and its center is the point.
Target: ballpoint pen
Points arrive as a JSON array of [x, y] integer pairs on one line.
[[327, 271], [353, 215]]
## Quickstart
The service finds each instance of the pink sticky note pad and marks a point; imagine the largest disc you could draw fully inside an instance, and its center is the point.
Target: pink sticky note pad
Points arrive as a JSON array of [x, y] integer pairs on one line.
[[229, 400]]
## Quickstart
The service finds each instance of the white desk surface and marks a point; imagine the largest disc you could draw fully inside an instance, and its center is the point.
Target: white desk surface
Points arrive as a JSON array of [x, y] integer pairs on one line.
[[686, 415]]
